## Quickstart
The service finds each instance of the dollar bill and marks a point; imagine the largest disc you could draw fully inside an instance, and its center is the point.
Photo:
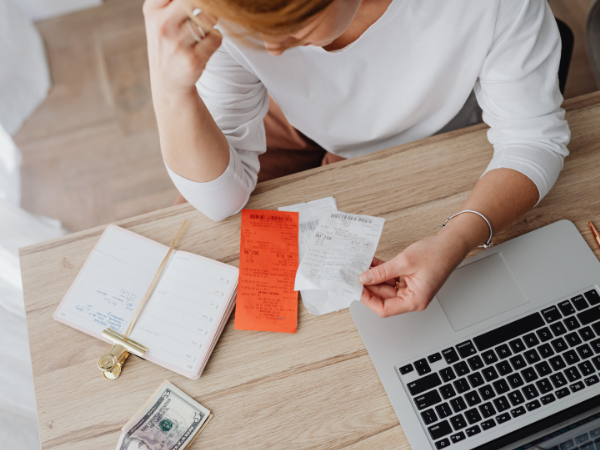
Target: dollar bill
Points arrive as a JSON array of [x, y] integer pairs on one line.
[[168, 420]]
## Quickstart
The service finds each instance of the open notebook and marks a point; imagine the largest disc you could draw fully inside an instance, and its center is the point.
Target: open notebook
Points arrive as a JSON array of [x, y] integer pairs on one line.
[[183, 318]]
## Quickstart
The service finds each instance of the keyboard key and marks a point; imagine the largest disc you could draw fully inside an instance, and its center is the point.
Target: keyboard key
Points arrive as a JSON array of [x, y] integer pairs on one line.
[[486, 392], [587, 446], [422, 366], [434, 358], [566, 308], [515, 380], [517, 345], [466, 349], [571, 323], [591, 380], [472, 398], [586, 333], [559, 345], [577, 386], [443, 410], [589, 315], [440, 430], [458, 404], [501, 386], [543, 369], [518, 362], [596, 361], [571, 357], [473, 431], [579, 302], [444, 443], [487, 410], [562, 392], [503, 351], [509, 331], [582, 438], [447, 391], [584, 351], [572, 374], [544, 334], [426, 400], [532, 356], [457, 437], [516, 398], [545, 350], [450, 355], [475, 379], [547, 399], [530, 392], [429, 417], [447, 374], [503, 418], [530, 340], [586, 368], [529, 375], [557, 363], [551, 314], [544, 385], [596, 327], [462, 385], [501, 404], [461, 368], [489, 357], [488, 424], [558, 380], [517, 411], [475, 362], [596, 345], [558, 328], [406, 369], [504, 368], [532, 405], [592, 297], [490, 374], [573, 339], [458, 422], [473, 416], [595, 433], [424, 384]]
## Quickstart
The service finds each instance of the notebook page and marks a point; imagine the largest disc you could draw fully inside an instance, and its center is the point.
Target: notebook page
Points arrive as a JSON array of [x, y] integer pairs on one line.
[[180, 319], [112, 282]]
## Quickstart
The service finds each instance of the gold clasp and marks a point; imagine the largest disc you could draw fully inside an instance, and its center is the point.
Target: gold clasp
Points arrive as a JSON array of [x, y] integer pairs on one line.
[[111, 364]]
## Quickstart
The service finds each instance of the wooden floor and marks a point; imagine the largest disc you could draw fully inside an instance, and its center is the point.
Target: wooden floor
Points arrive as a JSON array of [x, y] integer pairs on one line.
[[91, 153]]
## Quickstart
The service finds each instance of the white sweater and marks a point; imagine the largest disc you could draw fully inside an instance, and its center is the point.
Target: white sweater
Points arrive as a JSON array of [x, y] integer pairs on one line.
[[404, 79]]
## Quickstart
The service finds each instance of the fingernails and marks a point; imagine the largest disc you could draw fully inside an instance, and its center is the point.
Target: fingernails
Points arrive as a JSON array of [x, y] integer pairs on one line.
[[366, 277]]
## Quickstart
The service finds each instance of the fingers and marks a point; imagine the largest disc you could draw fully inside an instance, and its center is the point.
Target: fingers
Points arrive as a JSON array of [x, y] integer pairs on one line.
[[382, 273], [390, 306], [208, 45]]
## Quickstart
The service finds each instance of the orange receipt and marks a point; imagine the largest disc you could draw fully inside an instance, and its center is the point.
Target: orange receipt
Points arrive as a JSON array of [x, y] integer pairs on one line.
[[266, 300]]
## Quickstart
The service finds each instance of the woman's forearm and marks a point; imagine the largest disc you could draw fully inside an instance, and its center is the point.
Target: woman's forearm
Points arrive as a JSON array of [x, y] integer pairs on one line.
[[501, 195], [192, 144]]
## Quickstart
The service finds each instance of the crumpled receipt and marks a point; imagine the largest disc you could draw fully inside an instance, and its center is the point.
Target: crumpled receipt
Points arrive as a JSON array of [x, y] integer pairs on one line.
[[315, 301], [341, 249]]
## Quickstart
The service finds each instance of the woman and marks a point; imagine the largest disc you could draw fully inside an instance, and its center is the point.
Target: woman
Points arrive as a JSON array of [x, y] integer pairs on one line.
[[355, 77]]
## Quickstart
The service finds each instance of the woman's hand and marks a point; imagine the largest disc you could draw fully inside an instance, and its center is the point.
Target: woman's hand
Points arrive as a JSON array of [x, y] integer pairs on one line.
[[419, 272], [176, 58]]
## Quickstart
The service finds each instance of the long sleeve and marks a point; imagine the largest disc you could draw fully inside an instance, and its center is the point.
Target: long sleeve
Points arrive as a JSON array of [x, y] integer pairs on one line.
[[519, 94], [238, 102]]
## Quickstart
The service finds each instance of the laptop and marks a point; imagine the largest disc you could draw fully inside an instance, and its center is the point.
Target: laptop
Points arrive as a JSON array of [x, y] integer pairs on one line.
[[506, 356]]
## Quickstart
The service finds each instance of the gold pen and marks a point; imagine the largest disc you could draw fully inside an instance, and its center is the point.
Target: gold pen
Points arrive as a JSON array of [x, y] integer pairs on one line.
[[595, 233]]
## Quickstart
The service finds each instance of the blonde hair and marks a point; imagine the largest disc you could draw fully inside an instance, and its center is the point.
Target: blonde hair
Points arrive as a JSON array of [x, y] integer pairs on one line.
[[265, 16]]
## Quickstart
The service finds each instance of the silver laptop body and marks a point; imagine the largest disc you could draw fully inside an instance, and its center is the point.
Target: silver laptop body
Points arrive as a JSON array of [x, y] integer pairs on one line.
[[534, 276]]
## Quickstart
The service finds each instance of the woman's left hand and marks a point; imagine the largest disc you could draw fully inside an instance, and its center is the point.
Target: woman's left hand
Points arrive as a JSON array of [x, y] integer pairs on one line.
[[419, 272]]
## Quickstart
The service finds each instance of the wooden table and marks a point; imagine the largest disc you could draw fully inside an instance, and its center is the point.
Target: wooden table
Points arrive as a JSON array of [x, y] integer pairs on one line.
[[315, 389]]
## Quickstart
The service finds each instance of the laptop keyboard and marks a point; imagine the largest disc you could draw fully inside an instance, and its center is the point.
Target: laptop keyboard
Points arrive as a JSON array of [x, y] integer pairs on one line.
[[509, 371]]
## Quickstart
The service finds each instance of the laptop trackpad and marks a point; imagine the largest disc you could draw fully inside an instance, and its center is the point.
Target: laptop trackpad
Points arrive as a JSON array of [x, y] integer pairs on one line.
[[479, 291]]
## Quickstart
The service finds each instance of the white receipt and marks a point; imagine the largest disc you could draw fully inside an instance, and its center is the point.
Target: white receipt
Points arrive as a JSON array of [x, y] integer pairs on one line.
[[341, 249], [315, 301]]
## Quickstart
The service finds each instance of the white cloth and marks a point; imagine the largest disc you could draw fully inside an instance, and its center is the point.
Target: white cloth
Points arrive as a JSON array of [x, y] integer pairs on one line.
[[24, 74], [10, 175], [404, 79]]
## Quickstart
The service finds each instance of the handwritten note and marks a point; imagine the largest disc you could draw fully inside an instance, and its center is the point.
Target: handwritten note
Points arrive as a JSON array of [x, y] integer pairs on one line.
[[266, 299], [341, 249]]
